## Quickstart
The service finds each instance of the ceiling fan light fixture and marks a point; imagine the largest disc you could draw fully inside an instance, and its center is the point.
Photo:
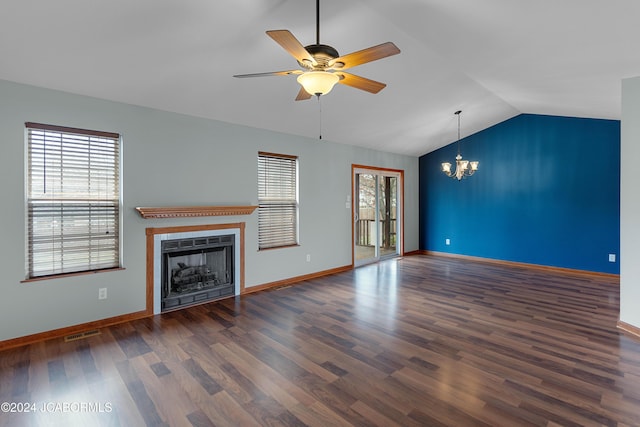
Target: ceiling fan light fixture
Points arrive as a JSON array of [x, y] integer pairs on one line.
[[322, 65], [318, 82]]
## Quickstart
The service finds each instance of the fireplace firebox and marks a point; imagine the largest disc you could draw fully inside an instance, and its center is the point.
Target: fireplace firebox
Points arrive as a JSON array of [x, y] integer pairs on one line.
[[197, 269]]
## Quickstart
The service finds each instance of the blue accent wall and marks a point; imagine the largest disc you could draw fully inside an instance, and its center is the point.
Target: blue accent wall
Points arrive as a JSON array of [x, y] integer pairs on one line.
[[547, 192]]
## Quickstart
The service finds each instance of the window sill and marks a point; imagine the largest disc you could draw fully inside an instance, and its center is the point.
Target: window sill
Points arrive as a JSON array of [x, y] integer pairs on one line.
[[61, 276], [278, 247]]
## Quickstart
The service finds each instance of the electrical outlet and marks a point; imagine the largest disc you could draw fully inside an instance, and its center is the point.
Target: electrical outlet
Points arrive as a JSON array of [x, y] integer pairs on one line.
[[447, 242], [102, 293], [612, 257], [308, 257]]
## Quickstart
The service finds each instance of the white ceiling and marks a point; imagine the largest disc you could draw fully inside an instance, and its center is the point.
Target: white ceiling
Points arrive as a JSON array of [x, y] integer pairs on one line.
[[493, 59]]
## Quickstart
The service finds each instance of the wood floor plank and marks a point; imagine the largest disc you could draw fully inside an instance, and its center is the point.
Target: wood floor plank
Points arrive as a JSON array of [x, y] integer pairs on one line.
[[374, 417], [376, 395], [161, 390], [413, 341], [265, 378], [137, 390]]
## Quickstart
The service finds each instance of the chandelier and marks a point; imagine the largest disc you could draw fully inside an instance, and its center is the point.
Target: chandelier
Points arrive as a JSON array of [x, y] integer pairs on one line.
[[463, 167]]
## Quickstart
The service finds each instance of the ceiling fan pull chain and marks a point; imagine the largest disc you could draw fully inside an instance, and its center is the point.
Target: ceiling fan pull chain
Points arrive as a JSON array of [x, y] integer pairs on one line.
[[319, 117]]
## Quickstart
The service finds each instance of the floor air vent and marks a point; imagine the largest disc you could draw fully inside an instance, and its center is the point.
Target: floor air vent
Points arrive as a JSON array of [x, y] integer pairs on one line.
[[81, 335]]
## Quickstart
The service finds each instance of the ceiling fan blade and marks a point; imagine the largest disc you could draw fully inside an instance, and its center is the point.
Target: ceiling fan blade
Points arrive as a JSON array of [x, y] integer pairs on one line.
[[272, 73], [363, 56], [303, 95], [361, 83], [291, 44]]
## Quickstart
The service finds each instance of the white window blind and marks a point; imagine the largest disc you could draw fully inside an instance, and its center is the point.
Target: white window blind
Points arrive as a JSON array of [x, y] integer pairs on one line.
[[73, 200], [277, 200]]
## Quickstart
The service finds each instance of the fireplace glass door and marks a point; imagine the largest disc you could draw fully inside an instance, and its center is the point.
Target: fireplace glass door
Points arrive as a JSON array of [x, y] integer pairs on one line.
[[197, 269]]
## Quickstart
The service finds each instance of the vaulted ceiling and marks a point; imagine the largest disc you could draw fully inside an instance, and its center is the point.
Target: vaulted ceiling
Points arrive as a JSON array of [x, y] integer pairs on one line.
[[493, 59]]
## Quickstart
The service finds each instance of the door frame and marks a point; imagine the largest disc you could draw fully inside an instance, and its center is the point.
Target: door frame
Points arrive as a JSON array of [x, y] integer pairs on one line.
[[375, 170]]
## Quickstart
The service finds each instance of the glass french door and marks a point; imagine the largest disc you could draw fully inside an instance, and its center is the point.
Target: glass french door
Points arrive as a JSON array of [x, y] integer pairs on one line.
[[376, 215]]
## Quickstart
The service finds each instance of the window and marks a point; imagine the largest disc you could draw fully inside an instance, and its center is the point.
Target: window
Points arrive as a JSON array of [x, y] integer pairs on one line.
[[277, 200], [73, 200]]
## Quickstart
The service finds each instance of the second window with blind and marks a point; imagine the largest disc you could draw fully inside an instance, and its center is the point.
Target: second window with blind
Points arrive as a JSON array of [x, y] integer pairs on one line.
[[277, 200]]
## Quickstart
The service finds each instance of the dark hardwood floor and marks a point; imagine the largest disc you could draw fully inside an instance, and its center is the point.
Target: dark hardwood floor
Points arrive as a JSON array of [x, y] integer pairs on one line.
[[419, 341]]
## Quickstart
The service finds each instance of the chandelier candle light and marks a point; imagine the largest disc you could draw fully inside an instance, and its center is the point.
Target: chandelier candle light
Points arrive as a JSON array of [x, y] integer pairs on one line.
[[463, 167]]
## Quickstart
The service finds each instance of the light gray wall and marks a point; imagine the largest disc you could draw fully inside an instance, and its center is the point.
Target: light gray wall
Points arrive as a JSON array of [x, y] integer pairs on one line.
[[630, 203], [173, 160]]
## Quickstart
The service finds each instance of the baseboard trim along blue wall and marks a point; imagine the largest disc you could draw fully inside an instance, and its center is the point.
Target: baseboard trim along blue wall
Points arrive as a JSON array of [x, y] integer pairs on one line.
[[547, 192]]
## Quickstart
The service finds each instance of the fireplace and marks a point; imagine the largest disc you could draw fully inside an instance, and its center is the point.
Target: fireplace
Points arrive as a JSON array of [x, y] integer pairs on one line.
[[196, 269], [217, 273]]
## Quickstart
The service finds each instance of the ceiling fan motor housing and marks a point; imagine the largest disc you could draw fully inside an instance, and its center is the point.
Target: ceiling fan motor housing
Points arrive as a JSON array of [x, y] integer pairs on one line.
[[322, 53]]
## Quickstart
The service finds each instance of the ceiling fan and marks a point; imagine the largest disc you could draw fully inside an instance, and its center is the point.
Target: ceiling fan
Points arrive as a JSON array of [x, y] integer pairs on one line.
[[323, 66]]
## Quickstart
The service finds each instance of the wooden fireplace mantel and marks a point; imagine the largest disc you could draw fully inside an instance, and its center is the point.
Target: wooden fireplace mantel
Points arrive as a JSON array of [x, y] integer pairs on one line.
[[193, 211]]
